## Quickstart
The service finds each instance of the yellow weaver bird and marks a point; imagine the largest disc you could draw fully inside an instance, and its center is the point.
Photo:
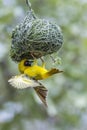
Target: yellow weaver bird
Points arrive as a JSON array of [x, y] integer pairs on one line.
[[35, 71], [31, 72]]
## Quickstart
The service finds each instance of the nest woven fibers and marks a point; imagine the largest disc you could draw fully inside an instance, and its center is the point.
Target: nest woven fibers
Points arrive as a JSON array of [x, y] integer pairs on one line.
[[34, 36]]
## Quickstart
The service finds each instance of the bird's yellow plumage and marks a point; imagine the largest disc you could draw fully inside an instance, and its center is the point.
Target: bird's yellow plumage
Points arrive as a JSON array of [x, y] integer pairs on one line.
[[35, 71]]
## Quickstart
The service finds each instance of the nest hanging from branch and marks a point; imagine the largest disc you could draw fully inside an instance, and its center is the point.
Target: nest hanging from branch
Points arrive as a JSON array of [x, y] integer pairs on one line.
[[34, 36]]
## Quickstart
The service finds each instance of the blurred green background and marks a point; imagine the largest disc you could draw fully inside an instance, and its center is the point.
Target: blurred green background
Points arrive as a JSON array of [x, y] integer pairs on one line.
[[67, 97]]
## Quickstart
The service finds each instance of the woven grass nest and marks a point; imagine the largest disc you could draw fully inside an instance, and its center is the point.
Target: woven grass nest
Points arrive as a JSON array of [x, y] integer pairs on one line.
[[34, 36]]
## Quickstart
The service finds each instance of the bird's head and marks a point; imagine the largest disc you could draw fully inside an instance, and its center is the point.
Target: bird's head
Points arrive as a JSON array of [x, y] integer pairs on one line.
[[24, 64]]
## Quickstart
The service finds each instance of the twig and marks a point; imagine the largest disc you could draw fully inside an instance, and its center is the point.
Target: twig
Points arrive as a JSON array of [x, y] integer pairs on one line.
[[29, 4]]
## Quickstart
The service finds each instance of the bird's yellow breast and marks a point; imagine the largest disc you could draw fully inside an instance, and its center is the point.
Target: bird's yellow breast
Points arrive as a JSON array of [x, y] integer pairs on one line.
[[36, 72]]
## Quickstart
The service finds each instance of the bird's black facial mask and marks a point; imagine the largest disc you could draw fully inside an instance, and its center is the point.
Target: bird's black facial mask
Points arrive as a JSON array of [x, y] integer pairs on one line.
[[28, 63]]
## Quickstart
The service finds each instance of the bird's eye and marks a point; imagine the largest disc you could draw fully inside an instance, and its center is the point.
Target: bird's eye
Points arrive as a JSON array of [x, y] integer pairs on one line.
[[27, 63]]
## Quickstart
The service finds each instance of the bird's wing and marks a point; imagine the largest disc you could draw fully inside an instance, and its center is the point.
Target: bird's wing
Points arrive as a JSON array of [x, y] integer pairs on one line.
[[42, 93], [22, 81]]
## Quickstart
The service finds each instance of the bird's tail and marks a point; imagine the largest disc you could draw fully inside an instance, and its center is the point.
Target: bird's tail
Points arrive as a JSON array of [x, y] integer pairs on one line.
[[52, 72], [42, 93]]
